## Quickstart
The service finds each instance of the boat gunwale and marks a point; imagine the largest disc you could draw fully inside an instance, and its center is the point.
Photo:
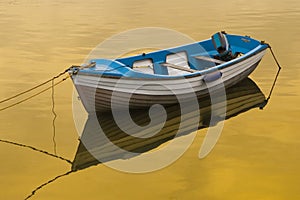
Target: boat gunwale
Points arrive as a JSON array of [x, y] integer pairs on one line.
[[225, 65]]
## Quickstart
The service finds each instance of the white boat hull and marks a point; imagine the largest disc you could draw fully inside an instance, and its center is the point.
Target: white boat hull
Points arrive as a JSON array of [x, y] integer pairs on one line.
[[99, 93]]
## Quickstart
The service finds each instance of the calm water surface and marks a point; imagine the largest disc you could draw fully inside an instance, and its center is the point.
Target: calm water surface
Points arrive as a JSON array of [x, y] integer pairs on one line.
[[257, 156]]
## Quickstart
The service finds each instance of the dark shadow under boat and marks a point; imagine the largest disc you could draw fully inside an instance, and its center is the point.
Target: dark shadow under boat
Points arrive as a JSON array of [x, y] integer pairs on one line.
[[102, 140]]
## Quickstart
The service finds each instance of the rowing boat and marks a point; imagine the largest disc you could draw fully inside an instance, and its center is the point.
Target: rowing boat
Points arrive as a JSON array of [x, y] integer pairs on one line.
[[164, 76]]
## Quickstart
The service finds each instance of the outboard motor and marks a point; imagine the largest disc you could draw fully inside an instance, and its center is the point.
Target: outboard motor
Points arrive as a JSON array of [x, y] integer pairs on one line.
[[221, 44]]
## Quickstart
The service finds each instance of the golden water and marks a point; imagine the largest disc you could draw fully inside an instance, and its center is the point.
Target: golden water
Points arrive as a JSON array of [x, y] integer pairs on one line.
[[257, 156]]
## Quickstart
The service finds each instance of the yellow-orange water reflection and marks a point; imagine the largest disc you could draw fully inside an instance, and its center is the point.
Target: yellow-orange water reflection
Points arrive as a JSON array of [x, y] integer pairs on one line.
[[257, 156]]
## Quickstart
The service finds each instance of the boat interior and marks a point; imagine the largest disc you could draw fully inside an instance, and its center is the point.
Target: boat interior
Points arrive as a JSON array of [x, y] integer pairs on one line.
[[190, 58]]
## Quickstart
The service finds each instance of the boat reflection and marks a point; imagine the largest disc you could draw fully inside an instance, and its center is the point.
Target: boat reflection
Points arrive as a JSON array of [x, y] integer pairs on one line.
[[116, 144]]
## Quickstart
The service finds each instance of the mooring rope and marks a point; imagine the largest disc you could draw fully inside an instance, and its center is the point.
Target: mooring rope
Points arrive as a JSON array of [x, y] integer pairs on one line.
[[54, 117], [279, 68], [34, 95], [275, 79], [53, 84], [36, 149], [73, 68], [47, 183], [35, 87]]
